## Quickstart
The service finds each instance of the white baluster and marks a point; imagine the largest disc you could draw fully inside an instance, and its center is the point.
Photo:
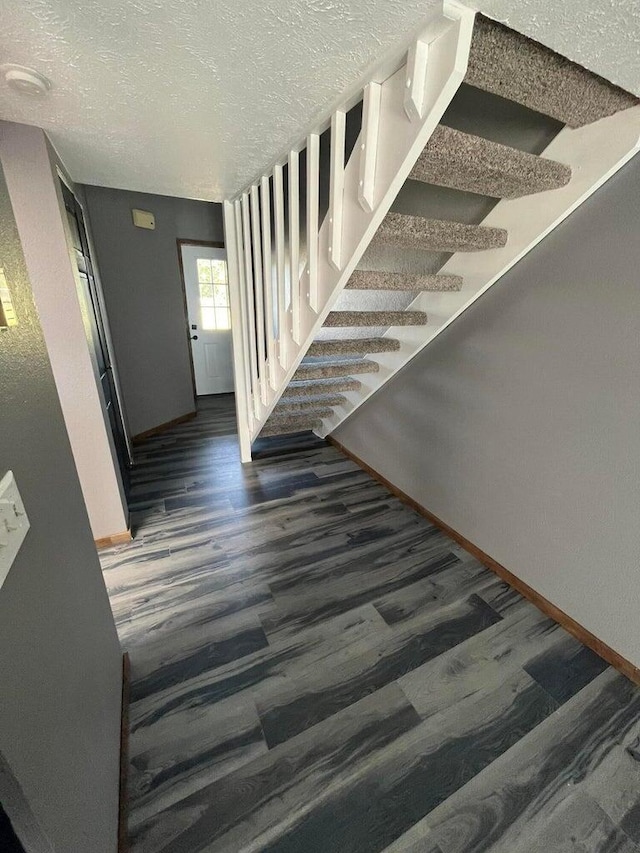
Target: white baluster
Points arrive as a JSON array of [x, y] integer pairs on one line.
[[257, 261], [416, 80], [244, 318], [251, 308], [267, 277], [313, 174], [239, 347], [294, 242], [283, 331], [369, 145], [336, 187]]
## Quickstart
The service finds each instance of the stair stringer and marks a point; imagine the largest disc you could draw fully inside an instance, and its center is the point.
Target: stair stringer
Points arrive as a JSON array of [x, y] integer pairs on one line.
[[400, 141], [595, 153]]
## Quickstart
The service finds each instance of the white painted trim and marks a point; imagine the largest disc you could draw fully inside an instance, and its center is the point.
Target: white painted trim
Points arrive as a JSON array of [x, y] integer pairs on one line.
[[336, 186], [294, 242], [251, 309], [278, 206], [257, 260], [416, 80], [267, 279], [313, 177], [238, 251], [595, 152], [369, 145], [242, 395]]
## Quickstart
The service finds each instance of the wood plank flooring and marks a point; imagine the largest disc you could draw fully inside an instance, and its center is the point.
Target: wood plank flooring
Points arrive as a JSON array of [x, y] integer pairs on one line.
[[316, 668]]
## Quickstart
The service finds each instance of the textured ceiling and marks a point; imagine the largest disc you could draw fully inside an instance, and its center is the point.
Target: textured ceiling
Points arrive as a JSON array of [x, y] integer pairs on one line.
[[193, 97], [190, 97]]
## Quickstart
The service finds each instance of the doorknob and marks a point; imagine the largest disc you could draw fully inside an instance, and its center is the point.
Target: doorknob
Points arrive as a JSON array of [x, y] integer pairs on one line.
[[194, 337]]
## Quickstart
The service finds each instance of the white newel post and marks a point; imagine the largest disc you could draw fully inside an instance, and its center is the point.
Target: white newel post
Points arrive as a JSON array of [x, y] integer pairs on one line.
[[240, 346]]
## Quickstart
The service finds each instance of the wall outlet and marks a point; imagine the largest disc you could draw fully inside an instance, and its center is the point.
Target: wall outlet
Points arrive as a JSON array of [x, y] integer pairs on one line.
[[14, 523]]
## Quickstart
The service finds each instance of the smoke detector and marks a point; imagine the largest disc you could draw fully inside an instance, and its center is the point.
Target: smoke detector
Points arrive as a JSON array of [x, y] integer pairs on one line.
[[25, 80]]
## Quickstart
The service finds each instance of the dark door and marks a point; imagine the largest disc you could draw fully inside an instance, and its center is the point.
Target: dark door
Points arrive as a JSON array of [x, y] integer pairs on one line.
[[95, 328]]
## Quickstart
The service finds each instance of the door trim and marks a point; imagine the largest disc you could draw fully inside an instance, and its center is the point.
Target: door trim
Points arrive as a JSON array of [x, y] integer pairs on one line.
[[209, 244]]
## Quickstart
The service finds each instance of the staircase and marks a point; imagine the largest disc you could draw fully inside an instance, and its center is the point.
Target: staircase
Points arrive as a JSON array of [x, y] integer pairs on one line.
[[445, 186]]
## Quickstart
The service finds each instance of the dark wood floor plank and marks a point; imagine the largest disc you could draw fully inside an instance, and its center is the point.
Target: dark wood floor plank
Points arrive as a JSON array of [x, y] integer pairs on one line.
[[615, 785], [578, 824], [288, 709], [269, 668], [180, 754], [515, 794], [480, 663], [273, 789]]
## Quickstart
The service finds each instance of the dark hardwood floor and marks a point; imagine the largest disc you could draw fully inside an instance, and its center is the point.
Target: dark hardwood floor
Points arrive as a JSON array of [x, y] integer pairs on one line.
[[316, 668]]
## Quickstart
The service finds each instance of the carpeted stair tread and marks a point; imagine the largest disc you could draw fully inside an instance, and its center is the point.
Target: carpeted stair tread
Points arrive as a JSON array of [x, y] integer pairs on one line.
[[290, 427], [346, 319], [509, 64], [293, 404], [355, 346], [330, 370], [378, 280], [462, 161], [318, 387], [315, 414], [438, 235]]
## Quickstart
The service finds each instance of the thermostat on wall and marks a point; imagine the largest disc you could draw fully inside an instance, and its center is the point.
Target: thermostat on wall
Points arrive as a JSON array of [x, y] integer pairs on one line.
[[143, 219]]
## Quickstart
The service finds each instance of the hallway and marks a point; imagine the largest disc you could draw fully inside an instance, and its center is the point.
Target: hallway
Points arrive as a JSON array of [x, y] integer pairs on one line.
[[316, 668]]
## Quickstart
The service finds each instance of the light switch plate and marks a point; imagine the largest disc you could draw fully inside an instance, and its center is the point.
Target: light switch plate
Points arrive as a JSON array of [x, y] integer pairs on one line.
[[7, 313], [14, 523]]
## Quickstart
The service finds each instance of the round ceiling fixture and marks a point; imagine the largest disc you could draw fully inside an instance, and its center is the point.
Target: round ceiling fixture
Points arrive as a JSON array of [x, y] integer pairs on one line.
[[25, 80]]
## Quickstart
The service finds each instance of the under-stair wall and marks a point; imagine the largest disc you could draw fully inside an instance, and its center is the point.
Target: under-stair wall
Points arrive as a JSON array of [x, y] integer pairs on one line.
[[519, 425]]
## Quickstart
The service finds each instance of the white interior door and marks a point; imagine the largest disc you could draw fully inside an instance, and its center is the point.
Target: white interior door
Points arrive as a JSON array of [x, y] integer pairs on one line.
[[207, 289]]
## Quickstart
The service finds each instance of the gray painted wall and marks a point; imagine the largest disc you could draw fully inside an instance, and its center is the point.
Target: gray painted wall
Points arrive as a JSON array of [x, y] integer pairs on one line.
[[520, 425], [143, 294], [60, 667]]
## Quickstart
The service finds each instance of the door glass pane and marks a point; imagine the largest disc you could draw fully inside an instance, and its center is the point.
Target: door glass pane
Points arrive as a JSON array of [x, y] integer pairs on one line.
[[222, 318], [208, 317], [221, 294], [204, 270], [219, 271], [206, 293], [214, 295]]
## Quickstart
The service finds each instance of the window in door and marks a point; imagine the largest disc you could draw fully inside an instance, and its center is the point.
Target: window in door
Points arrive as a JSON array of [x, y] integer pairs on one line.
[[213, 286]]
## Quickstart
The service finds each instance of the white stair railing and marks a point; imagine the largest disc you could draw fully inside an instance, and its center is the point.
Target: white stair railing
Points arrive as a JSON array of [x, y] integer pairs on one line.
[[278, 308]]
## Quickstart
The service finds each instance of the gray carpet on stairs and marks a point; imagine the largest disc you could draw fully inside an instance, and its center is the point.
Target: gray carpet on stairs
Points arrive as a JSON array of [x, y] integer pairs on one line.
[[379, 280], [470, 163], [511, 65], [439, 235], [291, 426], [328, 370], [301, 404], [362, 346], [313, 388], [316, 413], [376, 318]]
